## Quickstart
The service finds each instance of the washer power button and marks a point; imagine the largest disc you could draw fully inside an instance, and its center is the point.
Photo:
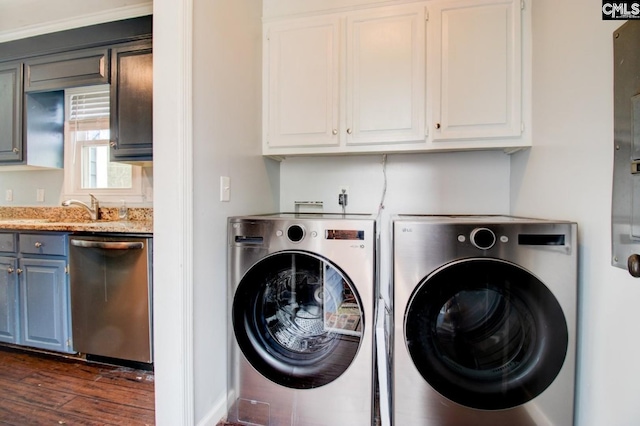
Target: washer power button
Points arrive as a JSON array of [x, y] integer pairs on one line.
[[483, 238]]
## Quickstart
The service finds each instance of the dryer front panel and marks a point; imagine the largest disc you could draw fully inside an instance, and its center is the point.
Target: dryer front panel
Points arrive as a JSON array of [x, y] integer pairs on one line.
[[485, 333], [298, 319]]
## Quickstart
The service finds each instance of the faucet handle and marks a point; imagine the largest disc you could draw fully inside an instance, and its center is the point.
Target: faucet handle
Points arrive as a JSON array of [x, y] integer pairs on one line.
[[94, 200]]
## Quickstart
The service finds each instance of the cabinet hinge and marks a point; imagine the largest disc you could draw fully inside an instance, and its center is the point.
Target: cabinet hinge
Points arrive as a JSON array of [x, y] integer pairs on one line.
[[66, 269], [69, 343], [522, 4], [426, 16], [522, 127]]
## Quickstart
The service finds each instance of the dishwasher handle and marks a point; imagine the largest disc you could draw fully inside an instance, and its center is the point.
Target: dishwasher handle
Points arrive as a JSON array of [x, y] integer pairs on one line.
[[109, 245]]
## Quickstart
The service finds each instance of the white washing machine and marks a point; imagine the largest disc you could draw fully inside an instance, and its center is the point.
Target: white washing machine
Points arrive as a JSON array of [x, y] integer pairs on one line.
[[302, 307], [484, 321]]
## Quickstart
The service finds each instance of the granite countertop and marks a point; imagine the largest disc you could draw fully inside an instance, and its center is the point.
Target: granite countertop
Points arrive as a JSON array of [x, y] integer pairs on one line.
[[75, 219]]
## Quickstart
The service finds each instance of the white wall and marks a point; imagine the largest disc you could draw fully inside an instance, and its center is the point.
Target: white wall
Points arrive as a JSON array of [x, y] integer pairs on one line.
[[226, 135], [436, 183], [567, 175]]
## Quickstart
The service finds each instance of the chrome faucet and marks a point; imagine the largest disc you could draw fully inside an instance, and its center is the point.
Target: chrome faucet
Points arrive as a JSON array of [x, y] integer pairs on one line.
[[94, 209]]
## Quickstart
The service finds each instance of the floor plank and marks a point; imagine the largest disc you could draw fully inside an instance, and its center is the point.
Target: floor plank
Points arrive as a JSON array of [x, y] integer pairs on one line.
[[37, 388]]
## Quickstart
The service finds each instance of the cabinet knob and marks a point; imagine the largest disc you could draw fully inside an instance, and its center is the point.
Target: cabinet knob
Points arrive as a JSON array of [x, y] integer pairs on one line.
[[437, 125], [334, 132], [113, 144], [15, 150], [10, 270], [18, 271], [38, 244], [633, 265], [349, 131]]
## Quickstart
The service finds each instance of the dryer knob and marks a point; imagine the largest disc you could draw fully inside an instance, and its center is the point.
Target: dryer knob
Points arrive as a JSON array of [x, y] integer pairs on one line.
[[483, 238], [295, 233], [633, 265]]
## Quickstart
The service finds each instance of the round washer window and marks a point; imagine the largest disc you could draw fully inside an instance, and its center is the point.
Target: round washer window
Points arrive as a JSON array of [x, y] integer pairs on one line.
[[297, 319], [486, 333]]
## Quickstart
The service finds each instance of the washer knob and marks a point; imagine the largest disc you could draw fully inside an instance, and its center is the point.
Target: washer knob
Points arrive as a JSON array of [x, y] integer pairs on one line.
[[483, 238], [295, 233]]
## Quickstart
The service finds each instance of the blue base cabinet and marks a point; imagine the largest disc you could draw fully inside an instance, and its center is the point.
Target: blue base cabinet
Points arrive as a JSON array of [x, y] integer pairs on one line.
[[8, 300], [34, 290], [44, 304]]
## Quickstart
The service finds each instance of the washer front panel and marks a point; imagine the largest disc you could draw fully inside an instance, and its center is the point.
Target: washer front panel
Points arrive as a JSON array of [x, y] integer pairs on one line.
[[298, 319], [486, 333], [446, 263]]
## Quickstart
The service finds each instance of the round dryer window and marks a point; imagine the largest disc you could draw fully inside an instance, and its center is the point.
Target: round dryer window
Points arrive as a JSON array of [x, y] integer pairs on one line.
[[297, 319], [486, 333]]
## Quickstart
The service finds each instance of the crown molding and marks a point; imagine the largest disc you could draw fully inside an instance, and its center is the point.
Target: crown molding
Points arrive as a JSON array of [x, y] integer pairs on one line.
[[78, 21]]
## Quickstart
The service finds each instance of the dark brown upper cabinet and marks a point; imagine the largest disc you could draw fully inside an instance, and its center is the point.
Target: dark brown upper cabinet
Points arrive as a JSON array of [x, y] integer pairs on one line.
[[73, 69], [11, 112], [132, 102]]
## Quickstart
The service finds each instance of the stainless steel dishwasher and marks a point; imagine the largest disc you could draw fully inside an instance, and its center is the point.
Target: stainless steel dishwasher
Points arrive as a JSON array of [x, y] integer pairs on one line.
[[111, 295]]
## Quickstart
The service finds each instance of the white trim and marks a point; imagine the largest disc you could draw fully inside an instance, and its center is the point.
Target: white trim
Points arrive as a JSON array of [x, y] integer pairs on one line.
[[218, 411], [173, 212], [93, 18]]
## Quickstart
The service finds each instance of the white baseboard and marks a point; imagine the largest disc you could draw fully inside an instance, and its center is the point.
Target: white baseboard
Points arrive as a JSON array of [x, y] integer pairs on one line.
[[217, 412]]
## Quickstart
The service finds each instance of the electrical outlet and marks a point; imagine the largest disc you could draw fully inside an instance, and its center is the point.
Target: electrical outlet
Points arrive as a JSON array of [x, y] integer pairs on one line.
[[40, 195], [8, 195]]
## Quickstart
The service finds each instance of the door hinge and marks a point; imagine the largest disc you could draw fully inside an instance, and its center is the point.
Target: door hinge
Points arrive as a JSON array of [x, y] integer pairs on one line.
[[426, 15], [522, 127], [521, 4], [69, 343], [66, 269]]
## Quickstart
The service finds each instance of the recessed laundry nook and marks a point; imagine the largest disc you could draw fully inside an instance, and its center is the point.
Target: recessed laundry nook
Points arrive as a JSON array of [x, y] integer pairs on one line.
[[490, 143]]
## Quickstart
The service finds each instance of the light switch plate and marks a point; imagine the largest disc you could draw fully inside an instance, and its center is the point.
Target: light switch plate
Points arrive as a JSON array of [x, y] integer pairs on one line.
[[225, 188]]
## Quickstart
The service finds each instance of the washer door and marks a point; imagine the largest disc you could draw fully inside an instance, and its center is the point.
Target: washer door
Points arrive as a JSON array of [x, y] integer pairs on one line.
[[485, 333], [297, 319]]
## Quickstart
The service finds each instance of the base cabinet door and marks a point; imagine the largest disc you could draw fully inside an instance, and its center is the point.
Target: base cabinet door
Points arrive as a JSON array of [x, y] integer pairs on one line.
[[44, 295], [8, 300]]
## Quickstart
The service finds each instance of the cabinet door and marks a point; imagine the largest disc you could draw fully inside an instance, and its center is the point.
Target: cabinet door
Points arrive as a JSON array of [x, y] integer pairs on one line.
[[475, 54], [301, 83], [8, 300], [11, 113], [44, 304], [72, 69], [385, 74], [132, 102]]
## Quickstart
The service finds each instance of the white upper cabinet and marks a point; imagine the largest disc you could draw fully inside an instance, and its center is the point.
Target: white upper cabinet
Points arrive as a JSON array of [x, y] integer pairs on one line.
[[422, 76], [475, 77], [301, 78], [385, 76]]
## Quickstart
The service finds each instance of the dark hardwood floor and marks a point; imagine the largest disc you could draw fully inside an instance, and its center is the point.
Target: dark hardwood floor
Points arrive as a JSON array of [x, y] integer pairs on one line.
[[40, 389]]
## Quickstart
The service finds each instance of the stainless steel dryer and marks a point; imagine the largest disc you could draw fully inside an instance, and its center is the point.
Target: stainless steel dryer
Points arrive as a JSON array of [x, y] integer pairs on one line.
[[484, 321], [302, 306]]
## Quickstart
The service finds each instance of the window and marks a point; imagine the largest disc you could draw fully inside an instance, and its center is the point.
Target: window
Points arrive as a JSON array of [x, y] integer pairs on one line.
[[87, 165]]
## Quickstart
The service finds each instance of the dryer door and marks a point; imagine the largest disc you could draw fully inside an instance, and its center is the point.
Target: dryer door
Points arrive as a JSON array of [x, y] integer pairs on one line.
[[486, 333], [297, 319]]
